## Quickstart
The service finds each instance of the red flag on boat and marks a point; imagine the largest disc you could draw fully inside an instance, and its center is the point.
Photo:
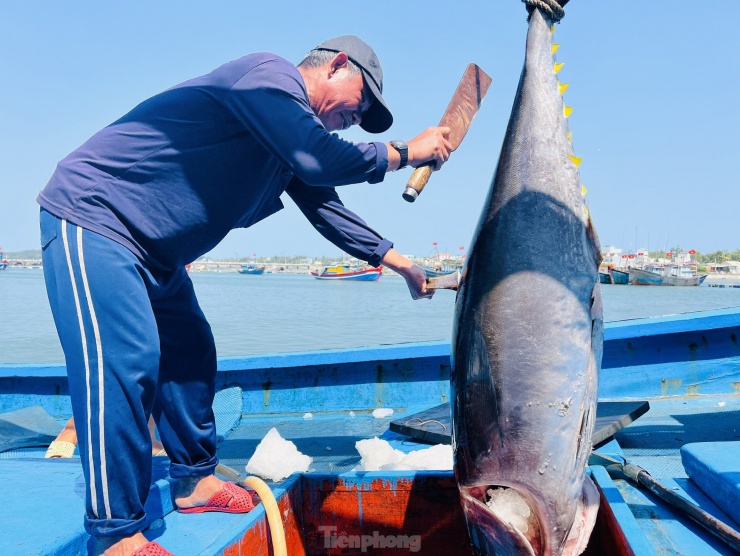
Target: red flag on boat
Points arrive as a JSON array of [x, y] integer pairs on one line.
[[692, 252], [669, 254], [632, 256], [435, 244]]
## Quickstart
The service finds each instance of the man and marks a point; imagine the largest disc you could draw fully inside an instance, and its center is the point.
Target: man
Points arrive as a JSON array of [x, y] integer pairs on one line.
[[153, 191]]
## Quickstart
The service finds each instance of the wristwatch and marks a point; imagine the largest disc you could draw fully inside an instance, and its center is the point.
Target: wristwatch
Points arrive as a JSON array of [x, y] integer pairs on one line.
[[403, 150]]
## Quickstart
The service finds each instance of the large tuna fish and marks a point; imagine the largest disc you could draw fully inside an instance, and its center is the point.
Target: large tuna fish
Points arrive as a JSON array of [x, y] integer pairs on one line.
[[528, 333]]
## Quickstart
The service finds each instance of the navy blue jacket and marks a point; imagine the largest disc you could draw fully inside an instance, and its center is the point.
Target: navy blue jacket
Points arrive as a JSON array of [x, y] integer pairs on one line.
[[172, 177]]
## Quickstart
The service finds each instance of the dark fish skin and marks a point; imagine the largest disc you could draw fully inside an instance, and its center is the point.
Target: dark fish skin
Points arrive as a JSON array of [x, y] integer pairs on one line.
[[528, 332]]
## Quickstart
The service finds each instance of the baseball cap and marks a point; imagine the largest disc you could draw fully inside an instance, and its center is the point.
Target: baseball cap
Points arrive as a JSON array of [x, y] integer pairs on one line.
[[378, 117]]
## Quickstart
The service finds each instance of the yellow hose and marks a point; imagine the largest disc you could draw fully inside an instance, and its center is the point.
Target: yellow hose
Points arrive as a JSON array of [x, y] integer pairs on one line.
[[277, 532]]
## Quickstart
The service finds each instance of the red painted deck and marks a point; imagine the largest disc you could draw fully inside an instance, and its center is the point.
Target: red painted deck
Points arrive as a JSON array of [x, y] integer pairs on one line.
[[331, 515]]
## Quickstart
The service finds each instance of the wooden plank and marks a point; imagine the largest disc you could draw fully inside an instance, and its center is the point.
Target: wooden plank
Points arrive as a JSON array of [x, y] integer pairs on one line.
[[434, 425]]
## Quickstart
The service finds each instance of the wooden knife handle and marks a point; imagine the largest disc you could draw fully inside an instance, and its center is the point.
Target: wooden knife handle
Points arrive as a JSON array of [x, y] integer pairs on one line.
[[417, 181]]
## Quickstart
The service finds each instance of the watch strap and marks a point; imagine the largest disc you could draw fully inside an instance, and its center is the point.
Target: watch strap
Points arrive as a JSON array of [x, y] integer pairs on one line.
[[403, 150]]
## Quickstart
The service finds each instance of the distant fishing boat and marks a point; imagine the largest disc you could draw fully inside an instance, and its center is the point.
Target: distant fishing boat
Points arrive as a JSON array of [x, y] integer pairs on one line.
[[605, 273], [441, 264], [346, 272], [251, 269], [669, 275], [434, 272], [3, 261], [620, 276]]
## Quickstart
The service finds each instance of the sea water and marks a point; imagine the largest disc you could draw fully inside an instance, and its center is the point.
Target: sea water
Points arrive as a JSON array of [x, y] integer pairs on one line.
[[278, 313]]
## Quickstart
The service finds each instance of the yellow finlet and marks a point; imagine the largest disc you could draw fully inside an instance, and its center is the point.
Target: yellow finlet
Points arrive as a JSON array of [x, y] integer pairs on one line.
[[576, 160], [558, 67], [562, 87], [552, 29], [583, 190], [554, 48], [569, 135], [567, 110]]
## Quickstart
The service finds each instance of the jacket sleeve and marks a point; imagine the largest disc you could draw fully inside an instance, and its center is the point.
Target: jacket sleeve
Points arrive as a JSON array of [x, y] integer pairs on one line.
[[338, 224], [271, 102]]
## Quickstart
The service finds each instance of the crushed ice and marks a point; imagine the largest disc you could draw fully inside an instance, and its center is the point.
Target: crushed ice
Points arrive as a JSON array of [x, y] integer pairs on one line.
[[509, 506]]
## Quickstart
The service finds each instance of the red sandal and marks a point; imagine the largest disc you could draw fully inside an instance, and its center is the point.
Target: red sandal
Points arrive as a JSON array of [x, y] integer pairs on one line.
[[231, 499], [152, 549]]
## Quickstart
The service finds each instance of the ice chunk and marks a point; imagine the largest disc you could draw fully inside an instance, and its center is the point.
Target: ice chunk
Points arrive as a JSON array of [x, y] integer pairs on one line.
[[276, 458], [375, 452], [379, 455], [382, 412], [308, 415], [352, 414], [438, 458]]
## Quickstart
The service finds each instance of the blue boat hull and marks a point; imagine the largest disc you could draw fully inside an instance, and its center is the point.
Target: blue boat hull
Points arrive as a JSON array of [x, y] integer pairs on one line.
[[252, 270], [639, 277], [688, 366], [620, 277]]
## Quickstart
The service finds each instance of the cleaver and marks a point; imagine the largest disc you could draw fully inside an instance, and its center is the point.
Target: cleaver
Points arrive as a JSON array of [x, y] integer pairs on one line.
[[460, 112]]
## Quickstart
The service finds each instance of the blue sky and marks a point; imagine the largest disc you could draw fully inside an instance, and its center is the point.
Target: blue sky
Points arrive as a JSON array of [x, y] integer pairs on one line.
[[655, 91]]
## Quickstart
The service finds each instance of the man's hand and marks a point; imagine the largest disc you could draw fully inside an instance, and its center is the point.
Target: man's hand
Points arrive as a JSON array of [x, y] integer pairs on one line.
[[415, 277], [431, 145], [416, 280]]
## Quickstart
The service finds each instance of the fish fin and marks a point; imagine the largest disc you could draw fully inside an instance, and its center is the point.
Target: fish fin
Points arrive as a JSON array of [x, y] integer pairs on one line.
[[558, 67], [481, 400], [562, 87], [554, 48], [584, 521]]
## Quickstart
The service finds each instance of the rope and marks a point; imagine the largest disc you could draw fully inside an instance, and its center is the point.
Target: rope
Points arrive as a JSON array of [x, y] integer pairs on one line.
[[551, 8], [421, 423]]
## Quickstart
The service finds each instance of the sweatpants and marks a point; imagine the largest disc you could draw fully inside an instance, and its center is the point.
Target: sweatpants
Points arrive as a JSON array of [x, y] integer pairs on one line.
[[136, 344]]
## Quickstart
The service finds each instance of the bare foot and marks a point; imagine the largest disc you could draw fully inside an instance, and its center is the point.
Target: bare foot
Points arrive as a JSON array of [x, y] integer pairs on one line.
[[64, 444], [196, 491], [156, 444], [124, 547], [69, 433]]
